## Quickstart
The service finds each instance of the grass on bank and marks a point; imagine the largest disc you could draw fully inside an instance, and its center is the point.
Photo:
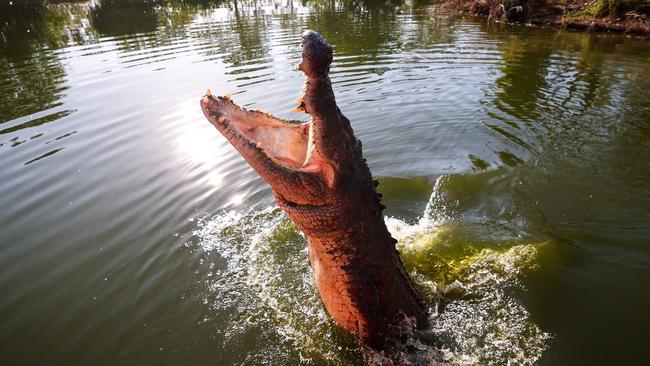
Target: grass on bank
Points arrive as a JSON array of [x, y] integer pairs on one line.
[[617, 15]]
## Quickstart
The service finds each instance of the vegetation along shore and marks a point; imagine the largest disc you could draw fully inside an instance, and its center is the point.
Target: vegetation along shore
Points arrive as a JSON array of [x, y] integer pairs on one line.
[[623, 16]]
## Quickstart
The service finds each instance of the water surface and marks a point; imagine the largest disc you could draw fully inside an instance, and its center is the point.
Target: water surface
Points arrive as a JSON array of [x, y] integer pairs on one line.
[[514, 163]]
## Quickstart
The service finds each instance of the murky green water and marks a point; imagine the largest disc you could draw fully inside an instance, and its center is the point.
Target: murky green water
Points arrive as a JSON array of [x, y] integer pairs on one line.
[[515, 164]]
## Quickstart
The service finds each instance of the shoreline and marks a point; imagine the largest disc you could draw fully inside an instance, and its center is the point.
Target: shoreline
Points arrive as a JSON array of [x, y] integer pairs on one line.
[[613, 16]]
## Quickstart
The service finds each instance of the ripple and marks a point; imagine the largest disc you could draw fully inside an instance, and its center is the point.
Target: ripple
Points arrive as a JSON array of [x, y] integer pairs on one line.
[[37, 121], [107, 163]]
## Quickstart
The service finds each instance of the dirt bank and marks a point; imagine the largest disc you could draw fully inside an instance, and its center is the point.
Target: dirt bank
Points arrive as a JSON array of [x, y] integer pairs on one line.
[[624, 16]]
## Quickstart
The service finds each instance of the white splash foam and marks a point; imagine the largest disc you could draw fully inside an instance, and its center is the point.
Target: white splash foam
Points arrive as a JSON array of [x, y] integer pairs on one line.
[[265, 285]]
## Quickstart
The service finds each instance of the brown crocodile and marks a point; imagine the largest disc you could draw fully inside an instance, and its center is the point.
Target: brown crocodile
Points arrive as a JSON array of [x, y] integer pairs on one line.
[[321, 180]]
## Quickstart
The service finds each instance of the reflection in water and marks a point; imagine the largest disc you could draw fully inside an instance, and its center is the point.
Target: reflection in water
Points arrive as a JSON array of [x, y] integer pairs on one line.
[[37, 122], [126, 17], [133, 233], [359, 28], [525, 62], [148, 24], [31, 84], [245, 39], [584, 176], [549, 88], [31, 77], [27, 28], [49, 153]]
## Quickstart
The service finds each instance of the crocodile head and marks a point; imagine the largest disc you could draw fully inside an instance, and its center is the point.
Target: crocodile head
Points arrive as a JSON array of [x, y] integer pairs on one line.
[[302, 161]]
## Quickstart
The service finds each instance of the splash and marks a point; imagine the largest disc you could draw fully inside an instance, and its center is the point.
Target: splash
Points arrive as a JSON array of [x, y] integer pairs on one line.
[[263, 292], [468, 271], [476, 319]]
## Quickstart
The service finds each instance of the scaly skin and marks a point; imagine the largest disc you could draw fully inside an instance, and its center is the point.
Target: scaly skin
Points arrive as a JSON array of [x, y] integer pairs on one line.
[[321, 180]]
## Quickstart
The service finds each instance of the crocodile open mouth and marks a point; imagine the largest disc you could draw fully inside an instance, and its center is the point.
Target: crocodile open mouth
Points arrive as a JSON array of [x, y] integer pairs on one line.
[[286, 143]]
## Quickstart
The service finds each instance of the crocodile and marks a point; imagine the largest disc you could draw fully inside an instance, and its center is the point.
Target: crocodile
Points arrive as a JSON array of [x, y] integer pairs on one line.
[[320, 179]]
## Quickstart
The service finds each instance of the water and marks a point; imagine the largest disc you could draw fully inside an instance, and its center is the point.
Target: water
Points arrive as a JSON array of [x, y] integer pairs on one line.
[[514, 162]]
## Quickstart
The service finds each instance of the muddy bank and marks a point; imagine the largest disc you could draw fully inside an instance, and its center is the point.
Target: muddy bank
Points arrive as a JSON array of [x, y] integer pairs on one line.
[[623, 16]]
